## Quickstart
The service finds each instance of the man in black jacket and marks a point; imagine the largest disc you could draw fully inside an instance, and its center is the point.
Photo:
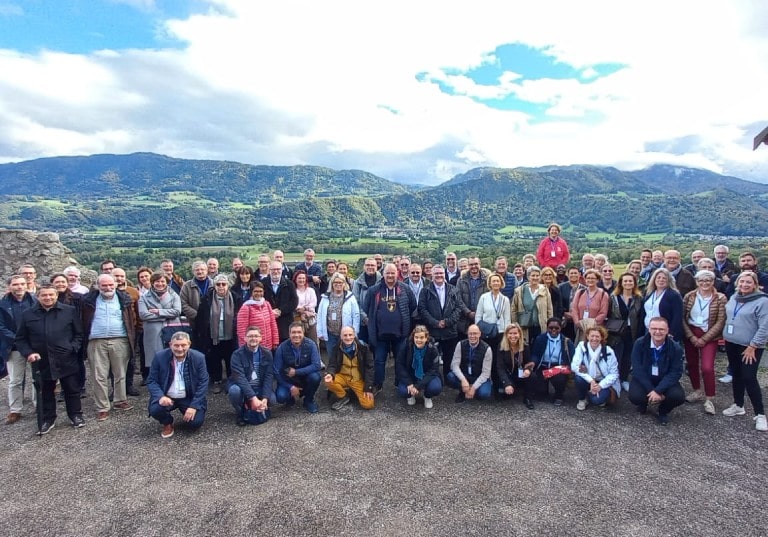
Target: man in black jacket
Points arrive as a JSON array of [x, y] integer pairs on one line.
[[281, 295], [440, 310], [12, 305], [50, 336]]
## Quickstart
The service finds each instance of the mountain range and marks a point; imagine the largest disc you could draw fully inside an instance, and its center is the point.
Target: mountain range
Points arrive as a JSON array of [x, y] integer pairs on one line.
[[151, 193]]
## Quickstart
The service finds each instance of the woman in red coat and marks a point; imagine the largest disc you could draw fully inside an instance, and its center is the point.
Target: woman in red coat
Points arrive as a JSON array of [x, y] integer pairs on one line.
[[258, 312], [553, 250]]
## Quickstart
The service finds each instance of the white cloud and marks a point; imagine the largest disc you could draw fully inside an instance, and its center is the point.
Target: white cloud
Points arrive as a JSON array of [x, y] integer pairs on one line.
[[336, 84]]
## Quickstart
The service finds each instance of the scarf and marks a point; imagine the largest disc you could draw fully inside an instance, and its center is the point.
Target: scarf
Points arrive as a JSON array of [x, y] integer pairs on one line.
[[349, 350], [418, 361], [229, 317]]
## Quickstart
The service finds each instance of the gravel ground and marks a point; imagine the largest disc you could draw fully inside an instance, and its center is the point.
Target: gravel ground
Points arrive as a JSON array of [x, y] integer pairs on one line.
[[479, 468]]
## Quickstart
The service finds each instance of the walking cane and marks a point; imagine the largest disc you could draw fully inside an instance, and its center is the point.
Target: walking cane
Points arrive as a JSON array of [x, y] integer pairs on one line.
[[37, 381]]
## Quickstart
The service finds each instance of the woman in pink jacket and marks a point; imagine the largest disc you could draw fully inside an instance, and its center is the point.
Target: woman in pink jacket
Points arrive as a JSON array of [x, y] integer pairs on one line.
[[258, 312], [553, 250]]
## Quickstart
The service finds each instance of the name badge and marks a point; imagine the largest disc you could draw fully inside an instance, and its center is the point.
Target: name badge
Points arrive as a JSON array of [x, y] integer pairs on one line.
[[700, 320], [254, 375], [553, 253], [586, 315], [654, 371], [333, 316], [729, 330], [520, 372]]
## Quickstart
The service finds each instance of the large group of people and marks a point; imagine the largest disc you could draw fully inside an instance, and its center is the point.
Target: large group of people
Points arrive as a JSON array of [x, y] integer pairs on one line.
[[257, 334]]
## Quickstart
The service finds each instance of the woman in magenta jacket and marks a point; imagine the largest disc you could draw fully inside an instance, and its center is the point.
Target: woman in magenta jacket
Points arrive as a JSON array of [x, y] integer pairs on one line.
[[553, 250]]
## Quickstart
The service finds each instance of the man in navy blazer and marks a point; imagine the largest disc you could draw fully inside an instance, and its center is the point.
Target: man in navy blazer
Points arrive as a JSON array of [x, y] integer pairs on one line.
[[178, 379]]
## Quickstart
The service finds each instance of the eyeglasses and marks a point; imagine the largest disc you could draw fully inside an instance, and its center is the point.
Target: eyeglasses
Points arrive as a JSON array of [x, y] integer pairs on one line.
[[222, 284], [607, 272], [415, 273]]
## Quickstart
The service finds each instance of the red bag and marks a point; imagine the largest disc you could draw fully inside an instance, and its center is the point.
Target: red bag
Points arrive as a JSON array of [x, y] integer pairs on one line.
[[557, 370]]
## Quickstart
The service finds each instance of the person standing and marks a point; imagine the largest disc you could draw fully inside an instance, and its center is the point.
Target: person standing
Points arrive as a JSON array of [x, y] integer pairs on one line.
[[553, 250], [746, 333], [12, 305], [50, 336], [109, 327]]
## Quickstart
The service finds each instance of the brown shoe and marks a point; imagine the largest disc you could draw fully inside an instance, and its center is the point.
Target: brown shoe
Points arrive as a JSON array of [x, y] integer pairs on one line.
[[123, 405], [102, 416], [167, 431], [12, 418]]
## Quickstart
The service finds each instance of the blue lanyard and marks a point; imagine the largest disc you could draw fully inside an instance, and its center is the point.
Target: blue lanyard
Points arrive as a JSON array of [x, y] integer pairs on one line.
[[736, 308]]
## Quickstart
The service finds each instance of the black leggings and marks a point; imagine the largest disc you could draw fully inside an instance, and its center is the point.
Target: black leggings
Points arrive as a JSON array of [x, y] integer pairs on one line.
[[745, 376]]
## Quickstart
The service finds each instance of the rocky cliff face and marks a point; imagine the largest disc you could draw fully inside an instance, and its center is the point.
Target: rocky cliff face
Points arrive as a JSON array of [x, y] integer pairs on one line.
[[43, 250]]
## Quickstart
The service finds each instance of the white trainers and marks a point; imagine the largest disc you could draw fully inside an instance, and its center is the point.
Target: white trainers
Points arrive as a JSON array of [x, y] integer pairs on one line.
[[428, 403], [709, 407], [581, 405], [695, 396], [726, 379], [760, 423], [734, 410], [625, 385], [411, 401]]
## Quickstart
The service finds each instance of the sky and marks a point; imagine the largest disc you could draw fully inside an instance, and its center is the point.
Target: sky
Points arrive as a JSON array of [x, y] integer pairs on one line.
[[415, 91]]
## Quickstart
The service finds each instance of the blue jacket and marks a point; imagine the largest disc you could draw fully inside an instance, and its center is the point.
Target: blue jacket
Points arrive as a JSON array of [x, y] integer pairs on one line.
[[406, 305], [195, 378], [670, 365], [242, 369], [307, 363], [671, 308], [8, 324], [539, 350]]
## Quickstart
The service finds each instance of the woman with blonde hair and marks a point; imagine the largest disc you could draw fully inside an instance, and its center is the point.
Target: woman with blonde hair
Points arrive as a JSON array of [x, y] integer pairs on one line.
[[532, 305], [514, 366], [549, 279], [338, 307]]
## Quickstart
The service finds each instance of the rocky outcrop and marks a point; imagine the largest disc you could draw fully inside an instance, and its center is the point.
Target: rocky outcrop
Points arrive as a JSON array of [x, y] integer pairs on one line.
[[43, 250]]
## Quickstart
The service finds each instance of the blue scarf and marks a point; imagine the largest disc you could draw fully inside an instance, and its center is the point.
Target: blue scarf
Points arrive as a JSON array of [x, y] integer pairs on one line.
[[349, 350], [418, 361]]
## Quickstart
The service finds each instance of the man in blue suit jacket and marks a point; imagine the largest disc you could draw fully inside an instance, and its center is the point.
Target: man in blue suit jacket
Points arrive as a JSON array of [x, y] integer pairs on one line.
[[178, 379]]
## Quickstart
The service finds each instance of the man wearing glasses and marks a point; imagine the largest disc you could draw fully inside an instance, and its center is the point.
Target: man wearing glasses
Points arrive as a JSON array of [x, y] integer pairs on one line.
[[280, 293]]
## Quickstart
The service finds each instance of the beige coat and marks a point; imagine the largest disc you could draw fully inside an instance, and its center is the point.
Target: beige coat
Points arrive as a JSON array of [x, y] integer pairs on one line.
[[543, 306]]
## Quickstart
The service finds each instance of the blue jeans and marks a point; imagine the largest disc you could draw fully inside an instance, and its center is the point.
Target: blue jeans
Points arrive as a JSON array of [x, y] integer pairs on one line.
[[237, 398], [434, 388], [331, 343], [380, 353], [582, 388], [163, 413], [483, 392], [308, 384]]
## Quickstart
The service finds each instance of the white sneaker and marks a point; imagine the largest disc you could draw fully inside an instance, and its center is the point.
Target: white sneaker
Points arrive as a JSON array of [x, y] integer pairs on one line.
[[709, 407], [581, 405], [695, 396], [428, 403], [411, 401], [726, 379], [760, 423], [625, 385], [734, 410]]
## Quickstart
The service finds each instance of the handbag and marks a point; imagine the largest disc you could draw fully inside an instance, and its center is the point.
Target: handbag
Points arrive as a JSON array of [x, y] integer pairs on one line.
[[489, 330], [556, 370], [615, 326], [170, 328], [525, 319]]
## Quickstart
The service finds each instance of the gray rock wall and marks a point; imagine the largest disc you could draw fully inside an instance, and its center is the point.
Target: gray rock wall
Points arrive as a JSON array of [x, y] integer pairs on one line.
[[43, 250]]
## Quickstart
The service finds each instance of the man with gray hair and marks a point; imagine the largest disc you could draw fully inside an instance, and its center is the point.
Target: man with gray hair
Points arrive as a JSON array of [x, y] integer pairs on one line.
[[109, 328], [194, 290], [178, 379], [73, 280]]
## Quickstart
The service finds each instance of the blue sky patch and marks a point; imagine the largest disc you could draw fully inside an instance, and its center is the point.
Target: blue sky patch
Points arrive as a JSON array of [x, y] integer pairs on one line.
[[83, 26], [509, 66]]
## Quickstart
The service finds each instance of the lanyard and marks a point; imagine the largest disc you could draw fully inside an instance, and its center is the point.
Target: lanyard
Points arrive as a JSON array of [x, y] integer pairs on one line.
[[736, 308], [496, 305], [589, 298], [553, 346], [703, 304], [657, 355], [653, 298]]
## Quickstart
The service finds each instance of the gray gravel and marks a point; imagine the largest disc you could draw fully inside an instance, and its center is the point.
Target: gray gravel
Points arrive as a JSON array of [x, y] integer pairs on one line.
[[487, 469]]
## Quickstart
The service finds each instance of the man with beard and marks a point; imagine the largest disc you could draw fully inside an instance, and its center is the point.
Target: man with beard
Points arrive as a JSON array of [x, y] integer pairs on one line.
[[470, 286], [109, 327], [281, 295]]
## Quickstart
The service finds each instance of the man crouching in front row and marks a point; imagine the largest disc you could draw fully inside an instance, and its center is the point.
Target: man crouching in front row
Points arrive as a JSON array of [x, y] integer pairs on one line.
[[178, 379]]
